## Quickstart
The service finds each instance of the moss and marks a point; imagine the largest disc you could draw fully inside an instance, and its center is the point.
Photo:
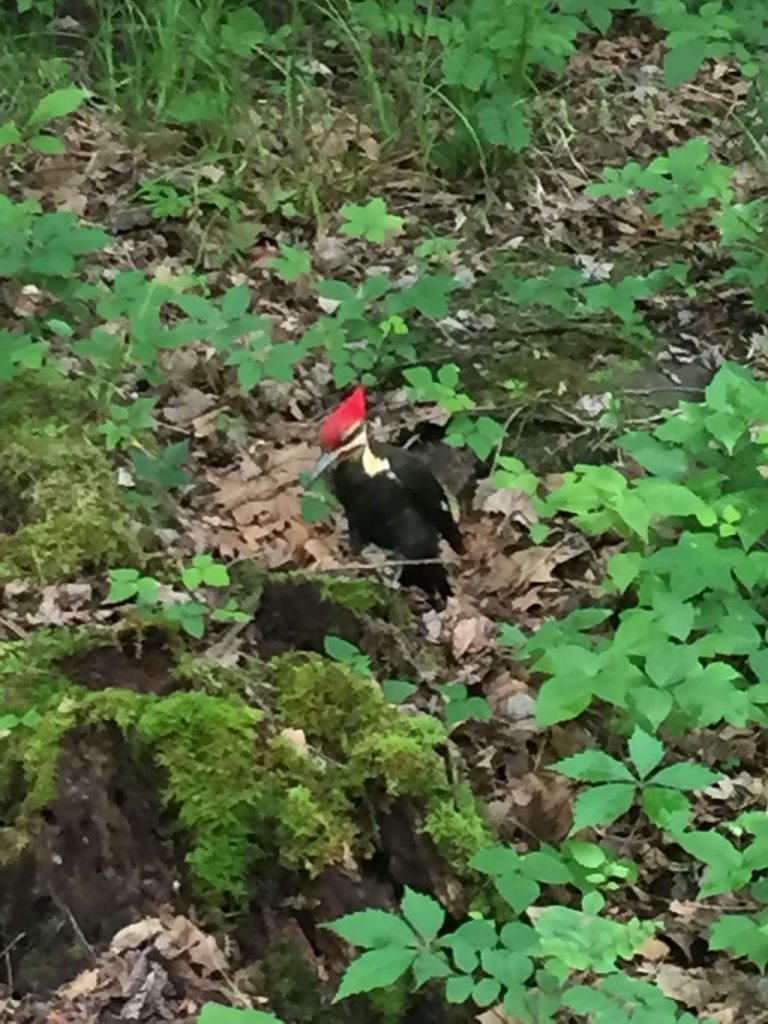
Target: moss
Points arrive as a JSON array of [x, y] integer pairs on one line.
[[28, 674], [207, 747], [328, 700], [64, 512], [291, 789], [457, 828], [362, 595]]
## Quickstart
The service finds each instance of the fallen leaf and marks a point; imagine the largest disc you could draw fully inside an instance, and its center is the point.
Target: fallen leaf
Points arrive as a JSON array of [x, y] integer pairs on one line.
[[507, 501], [85, 983], [688, 986], [653, 949], [135, 935], [474, 633]]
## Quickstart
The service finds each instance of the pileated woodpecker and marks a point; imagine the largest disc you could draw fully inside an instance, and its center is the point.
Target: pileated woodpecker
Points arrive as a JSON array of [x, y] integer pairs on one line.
[[390, 497]]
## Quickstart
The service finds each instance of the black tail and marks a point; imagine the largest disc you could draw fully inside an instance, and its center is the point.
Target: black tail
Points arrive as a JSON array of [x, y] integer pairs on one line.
[[432, 579]]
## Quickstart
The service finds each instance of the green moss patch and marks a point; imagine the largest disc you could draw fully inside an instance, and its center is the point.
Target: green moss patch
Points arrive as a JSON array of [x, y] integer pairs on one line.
[[61, 511], [290, 782]]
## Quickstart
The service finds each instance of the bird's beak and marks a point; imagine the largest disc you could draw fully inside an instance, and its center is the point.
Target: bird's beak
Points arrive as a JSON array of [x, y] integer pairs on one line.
[[325, 461]]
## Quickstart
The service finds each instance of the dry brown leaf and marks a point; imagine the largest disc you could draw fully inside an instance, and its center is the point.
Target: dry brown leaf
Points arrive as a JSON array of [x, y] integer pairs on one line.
[[529, 565], [507, 501], [135, 935], [85, 983], [182, 936], [653, 949], [688, 986], [323, 551], [474, 633], [543, 805]]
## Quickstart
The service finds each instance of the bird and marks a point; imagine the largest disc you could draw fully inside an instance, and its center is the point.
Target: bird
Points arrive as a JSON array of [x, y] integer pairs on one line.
[[389, 495]]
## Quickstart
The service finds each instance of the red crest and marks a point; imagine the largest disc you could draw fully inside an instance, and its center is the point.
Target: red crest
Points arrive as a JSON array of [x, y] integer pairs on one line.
[[347, 414]]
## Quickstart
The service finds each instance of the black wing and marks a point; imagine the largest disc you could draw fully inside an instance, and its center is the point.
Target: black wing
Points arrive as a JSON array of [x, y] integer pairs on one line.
[[425, 491]]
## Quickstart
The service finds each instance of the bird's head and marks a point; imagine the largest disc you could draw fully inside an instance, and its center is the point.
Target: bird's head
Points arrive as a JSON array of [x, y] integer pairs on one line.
[[343, 434]]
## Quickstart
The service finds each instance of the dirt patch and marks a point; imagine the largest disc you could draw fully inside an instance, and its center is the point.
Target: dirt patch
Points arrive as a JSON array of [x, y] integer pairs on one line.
[[100, 860], [296, 617], [145, 669]]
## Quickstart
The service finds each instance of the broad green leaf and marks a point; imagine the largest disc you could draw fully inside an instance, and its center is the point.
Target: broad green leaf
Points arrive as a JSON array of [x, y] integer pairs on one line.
[[624, 567], [214, 1013], [373, 929], [601, 805], [377, 968], [424, 914], [741, 935], [667, 808], [645, 751], [654, 455], [593, 766], [47, 144], [57, 104], [9, 134], [509, 968], [476, 935], [458, 989], [519, 937], [486, 992], [398, 690], [710, 847], [683, 61], [428, 965], [686, 775]]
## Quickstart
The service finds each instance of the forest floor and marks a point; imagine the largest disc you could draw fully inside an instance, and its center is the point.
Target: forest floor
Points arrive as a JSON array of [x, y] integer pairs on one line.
[[129, 945]]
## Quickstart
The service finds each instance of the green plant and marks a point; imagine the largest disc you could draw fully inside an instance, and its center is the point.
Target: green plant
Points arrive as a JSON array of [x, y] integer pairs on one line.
[[12, 721], [30, 132], [152, 603], [661, 791], [482, 961]]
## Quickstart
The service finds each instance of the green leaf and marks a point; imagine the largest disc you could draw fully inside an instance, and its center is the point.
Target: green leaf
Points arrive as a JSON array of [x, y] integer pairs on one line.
[[123, 585], [601, 805], [342, 650], [377, 968], [292, 263], [373, 929], [682, 62], [428, 965], [486, 992], [47, 144], [503, 120], [475, 935], [371, 221], [624, 568], [214, 1013], [9, 134], [655, 456], [424, 914], [686, 775], [593, 766], [459, 989], [57, 104], [645, 752], [667, 808], [398, 690], [742, 936]]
